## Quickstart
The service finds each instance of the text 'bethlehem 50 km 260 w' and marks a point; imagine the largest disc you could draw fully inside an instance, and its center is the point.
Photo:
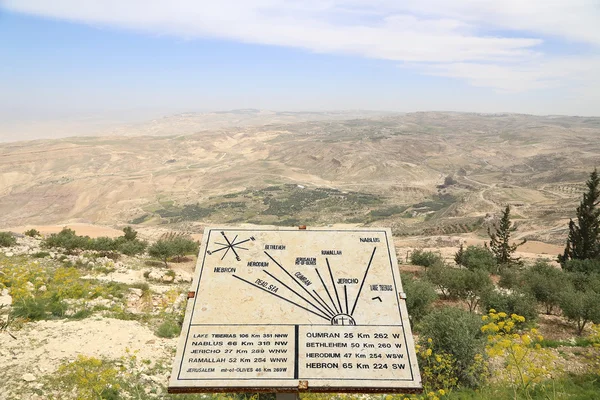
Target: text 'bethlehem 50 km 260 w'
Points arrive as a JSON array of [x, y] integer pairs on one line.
[[289, 310]]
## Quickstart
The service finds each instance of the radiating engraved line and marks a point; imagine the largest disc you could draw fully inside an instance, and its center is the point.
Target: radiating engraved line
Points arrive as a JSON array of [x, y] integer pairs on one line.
[[346, 297], [296, 293], [222, 248], [337, 296], [294, 279], [322, 302], [363, 281], [243, 241], [230, 246], [282, 298], [327, 290]]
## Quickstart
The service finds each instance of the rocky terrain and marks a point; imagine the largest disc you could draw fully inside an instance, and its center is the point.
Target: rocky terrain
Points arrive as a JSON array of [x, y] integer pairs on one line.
[[120, 321], [118, 310]]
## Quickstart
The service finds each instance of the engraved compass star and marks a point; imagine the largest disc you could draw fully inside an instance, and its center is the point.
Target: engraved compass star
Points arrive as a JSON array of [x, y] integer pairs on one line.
[[230, 245]]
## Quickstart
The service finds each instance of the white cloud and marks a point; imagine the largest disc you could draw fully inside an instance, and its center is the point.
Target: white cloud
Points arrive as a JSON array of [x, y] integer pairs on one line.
[[546, 73], [442, 37]]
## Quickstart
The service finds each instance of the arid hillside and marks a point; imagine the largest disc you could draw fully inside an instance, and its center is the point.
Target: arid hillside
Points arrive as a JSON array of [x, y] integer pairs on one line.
[[421, 173]]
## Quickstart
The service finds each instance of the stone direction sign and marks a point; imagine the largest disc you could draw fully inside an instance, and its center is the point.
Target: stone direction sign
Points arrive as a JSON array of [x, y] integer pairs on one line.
[[288, 310]]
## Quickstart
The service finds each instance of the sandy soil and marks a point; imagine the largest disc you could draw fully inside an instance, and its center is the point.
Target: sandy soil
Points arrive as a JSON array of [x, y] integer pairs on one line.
[[41, 346]]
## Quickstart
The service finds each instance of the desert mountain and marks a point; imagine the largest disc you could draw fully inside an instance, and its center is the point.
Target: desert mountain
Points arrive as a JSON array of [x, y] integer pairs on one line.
[[420, 172]]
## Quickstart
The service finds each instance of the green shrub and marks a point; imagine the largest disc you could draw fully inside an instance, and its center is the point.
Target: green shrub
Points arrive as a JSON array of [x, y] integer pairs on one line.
[[510, 279], [168, 329], [57, 307], [127, 244], [132, 247], [583, 281], [511, 303], [580, 307], [7, 239], [478, 258], [420, 294], [545, 283], [103, 244], [31, 308], [32, 233], [426, 258], [68, 240], [88, 378], [586, 266], [40, 254], [456, 332]]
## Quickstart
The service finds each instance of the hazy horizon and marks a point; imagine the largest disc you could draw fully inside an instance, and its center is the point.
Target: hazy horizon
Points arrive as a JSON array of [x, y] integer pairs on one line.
[[117, 123]]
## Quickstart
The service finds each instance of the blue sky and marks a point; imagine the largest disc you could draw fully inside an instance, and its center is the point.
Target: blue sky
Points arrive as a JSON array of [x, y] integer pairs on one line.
[[68, 57]]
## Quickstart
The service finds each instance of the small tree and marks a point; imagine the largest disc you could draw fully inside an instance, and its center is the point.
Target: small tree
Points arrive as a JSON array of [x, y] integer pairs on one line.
[[32, 233], [583, 240], [129, 244], [478, 258], [581, 307], [545, 283], [470, 286], [183, 246], [163, 250], [443, 278], [129, 234], [500, 240], [459, 256]]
